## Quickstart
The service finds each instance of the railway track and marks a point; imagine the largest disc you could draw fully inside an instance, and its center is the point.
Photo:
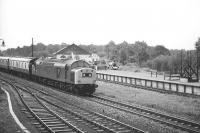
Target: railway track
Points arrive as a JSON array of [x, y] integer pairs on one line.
[[177, 122], [47, 112], [43, 117], [100, 122], [173, 121]]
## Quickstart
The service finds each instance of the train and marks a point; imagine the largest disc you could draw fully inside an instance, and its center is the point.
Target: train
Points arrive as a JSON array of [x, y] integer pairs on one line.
[[76, 76]]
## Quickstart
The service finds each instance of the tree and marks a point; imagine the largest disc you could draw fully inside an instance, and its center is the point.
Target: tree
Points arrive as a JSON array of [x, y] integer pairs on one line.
[[160, 50], [109, 48], [197, 44], [141, 52], [123, 56], [40, 47]]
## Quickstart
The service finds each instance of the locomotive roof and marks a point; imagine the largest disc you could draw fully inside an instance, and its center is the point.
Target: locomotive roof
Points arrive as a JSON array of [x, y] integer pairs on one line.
[[57, 62]]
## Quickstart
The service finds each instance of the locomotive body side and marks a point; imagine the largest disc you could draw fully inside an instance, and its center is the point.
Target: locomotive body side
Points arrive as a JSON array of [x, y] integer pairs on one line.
[[56, 71], [75, 76]]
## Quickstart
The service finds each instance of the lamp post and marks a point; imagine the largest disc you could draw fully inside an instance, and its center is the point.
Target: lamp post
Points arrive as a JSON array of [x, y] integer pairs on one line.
[[2, 44]]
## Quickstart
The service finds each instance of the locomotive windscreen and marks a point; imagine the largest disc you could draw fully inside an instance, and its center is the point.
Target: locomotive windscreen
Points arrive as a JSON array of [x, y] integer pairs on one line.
[[80, 64]]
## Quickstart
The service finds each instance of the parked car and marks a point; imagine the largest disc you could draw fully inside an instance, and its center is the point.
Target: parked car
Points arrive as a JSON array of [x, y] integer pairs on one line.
[[101, 65], [113, 65]]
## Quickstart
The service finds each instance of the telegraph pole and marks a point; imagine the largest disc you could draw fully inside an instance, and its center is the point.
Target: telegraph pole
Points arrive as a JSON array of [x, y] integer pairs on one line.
[[32, 46], [181, 63], [198, 60], [197, 51]]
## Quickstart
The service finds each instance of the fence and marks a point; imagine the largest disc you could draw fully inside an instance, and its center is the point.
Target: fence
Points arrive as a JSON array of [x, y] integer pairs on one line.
[[151, 84]]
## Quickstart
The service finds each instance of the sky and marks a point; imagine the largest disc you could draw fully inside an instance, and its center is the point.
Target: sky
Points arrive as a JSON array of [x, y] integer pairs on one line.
[[174, 24]]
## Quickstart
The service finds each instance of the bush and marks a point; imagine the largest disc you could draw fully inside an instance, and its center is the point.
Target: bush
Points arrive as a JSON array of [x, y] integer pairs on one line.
[[164, 63]]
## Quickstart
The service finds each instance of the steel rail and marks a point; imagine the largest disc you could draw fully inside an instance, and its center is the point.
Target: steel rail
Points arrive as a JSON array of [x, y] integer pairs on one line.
[[42, 121], [178, 122]]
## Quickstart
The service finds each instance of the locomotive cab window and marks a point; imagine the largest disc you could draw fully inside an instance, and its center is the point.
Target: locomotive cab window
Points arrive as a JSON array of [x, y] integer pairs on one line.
[[80, 64]]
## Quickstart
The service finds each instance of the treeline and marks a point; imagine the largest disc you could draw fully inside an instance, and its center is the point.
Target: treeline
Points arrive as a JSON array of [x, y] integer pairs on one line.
[[138, 53], [39, 50]]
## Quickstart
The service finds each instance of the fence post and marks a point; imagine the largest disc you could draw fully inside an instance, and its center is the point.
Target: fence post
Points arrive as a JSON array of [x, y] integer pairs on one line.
[[130, 80], [157, 84], [192, 89], [177, 89], [169, 86], [184, 88], [163, 85], [135, 82]]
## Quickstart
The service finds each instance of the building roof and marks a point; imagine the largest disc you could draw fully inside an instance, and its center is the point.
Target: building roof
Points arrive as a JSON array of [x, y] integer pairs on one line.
[[72, 48]]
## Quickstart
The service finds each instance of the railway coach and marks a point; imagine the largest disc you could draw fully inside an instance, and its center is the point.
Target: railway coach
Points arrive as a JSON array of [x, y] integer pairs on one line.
[[21, 66], [4, 63]]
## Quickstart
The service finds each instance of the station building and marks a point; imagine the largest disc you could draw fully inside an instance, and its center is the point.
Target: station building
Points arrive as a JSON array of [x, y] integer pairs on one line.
[[77, 53]]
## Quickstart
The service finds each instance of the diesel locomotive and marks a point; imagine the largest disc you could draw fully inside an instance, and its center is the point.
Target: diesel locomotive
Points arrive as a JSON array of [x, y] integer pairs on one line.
[[75, 76]]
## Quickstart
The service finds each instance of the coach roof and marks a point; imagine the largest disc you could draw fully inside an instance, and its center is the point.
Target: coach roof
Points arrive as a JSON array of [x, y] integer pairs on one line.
[[25, 59], [3, 57]]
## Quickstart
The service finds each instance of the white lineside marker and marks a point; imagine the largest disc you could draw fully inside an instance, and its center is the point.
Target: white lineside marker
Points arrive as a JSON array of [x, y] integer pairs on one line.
[[24, 129]]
